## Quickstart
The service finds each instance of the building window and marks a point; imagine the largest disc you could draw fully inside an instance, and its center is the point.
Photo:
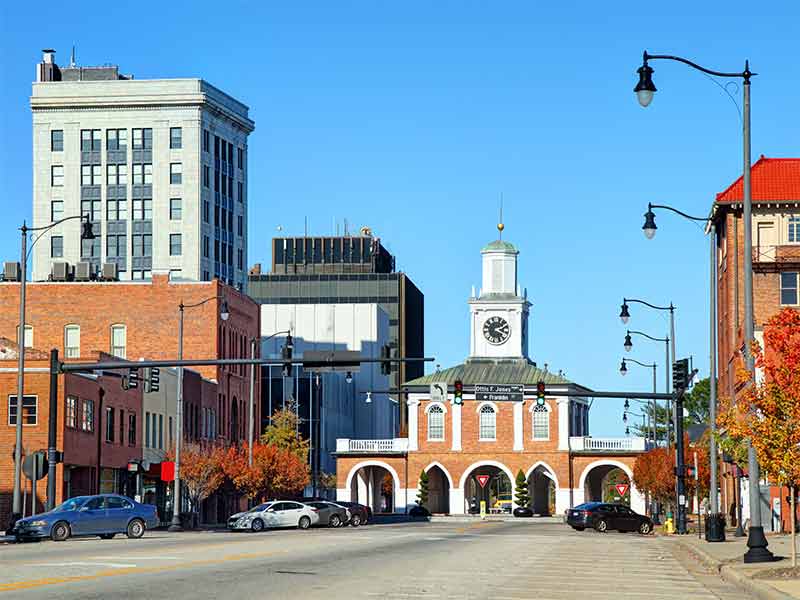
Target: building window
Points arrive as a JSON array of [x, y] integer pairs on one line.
[[71, 412], [541, 422], [175, 244], [240, 225], [240, 157], [147, 430], [91, 209], [119, 340], [142, 209], [142, 139], [131, 429], [143, 245], [206, 211], [90, 140], [175, 209], [28, 342], [488, 423], [143, 174], [109, 424], [240, 259], [72, 341], [206, 140], [115, 246], [57, 140], [160, 432], [205, 246], [789, 288], [91, 248], [121, 427], [435, 423], [240, 190], [57, 176], [794, 229], [206, 176], [117, 174], [116, 210], [175, 173], [87, 415], [169, 432], [90, 174], [116, 139], [56, 210], [29, 410], [57, 246], [175, 138], [175, 274]]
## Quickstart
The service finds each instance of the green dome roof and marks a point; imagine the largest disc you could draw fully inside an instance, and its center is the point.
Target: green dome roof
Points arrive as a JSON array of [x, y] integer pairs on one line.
[[499, 245]]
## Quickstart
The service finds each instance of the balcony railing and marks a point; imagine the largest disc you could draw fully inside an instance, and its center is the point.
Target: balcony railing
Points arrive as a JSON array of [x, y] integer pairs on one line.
[[591, 444], [388, 446]]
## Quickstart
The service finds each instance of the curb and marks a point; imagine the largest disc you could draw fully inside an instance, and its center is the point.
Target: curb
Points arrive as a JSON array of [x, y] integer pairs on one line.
[[764, 591]]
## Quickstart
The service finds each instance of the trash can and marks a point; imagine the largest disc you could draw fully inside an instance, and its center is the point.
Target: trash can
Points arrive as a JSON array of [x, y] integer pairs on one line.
[[715, 527]]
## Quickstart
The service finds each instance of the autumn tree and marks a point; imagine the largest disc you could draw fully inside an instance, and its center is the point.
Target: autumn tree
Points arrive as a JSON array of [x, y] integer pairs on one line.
[[284, 432], [201, 471], [767, 411], [275, 471], [654, 475]]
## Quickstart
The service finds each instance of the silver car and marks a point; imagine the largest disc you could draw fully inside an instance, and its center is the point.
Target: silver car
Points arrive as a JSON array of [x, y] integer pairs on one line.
[[275, 514]]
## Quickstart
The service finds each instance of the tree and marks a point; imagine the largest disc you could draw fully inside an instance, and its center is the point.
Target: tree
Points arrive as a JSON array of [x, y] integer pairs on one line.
[[284, 432], [767, 411], [201, 471], [521, 491], [695, 404], [275, 472], [654, 475], [422, 492]]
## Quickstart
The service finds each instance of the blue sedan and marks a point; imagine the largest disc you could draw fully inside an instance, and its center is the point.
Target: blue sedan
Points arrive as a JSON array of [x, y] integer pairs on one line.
[[105, 516]]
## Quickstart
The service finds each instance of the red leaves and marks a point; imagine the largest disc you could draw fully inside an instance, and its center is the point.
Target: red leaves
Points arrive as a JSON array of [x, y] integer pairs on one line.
[[653, 474], [201, 470], [275, 471]]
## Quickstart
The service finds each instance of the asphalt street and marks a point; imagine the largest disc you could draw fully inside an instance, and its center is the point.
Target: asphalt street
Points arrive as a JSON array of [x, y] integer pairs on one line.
[[500, 561]]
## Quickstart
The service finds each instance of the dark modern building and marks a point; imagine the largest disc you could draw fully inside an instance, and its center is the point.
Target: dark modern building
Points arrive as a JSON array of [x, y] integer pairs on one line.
[[348, 269]]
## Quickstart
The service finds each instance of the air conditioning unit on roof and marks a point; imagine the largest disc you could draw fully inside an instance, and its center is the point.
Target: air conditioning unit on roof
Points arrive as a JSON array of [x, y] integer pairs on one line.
[[12, 271], [83, 271], [109, 272], [60, 271]]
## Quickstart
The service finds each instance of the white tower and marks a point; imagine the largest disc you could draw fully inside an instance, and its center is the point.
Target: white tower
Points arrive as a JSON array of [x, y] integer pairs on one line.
[[499, 314]]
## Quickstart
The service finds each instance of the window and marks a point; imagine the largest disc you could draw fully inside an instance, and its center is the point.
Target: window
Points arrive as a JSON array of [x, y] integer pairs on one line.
[[206, 140], [87, 415], [789, 288], [91, 208], [175, 209], [175, 138], [131, 429], [118, 340], [143, 173], [240, 225], [121, 427], [29, 406], [71, 412], [541, 422], [90, 248], [116, 139], [57, 140], [794, 229], [169, 432], [117, 210], [142, 209], [175, 244], [90, 140], [117, 174], [206, 176], [142, 139], [206, 211], [57, 246], [160, 432], [240, 157], [240, 190], [175, 274], [57, 176], [115, 246], [488, 423], [56, 210], [205, 246], [240, 259], [175, 173], [72, 341], [147, 430], [109, 424], [435, 423], [28, 336]]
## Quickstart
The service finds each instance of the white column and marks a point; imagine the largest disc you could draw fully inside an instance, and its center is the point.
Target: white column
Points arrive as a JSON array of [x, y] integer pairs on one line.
[[637, 501], [362, 488], [563, 423], [457, 501], [413, 423], [455, 409], [518, 426]]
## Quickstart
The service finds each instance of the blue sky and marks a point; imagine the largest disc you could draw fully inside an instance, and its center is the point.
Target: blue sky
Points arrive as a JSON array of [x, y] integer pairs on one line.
[[414, 117]]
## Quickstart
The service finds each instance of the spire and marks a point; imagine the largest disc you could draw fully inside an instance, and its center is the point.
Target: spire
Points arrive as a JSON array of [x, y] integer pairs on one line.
[[72, 57], [500, 225]]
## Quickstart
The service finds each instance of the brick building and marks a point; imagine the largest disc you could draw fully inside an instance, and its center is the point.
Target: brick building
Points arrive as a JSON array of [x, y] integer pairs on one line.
[[775, 186], [473, 451]]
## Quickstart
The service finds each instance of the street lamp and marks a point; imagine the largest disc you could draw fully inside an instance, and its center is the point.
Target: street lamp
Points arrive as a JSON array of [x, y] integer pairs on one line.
[[624, 315], [86, 234], [224, 314], [623, 370], [645, 88], [649, 226], [628, 343]]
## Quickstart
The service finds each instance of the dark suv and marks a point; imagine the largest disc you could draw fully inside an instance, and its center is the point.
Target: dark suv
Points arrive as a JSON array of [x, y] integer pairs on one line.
[[604, 516]]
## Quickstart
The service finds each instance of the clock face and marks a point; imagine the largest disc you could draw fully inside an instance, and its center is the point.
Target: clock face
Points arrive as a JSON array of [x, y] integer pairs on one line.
[[496, 330]]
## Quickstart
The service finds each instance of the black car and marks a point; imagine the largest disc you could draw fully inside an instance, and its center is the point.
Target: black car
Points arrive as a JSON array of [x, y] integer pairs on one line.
[[603, 516], [359, 514], [330, 513]]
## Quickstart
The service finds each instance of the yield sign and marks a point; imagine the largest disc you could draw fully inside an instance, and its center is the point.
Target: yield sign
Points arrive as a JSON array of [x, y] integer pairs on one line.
[[621, 488], [482, 479]]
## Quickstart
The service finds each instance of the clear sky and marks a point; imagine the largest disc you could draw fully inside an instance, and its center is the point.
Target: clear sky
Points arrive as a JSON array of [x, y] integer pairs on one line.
[[414, 117]]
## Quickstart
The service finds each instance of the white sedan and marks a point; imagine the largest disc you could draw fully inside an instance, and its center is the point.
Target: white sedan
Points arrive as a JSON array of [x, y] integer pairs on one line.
[[278, 513]]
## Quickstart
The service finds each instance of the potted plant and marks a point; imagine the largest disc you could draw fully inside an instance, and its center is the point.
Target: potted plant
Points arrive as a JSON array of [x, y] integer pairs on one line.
[[422, 497], [522, 497]]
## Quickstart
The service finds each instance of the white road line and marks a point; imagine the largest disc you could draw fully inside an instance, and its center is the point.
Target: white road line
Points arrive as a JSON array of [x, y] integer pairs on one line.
[[85, 564], [137, 557]]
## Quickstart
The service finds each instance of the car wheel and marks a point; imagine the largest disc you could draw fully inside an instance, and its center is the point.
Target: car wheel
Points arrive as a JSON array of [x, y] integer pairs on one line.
[[601, 526], [257, 525], [335, 521], [60, 531], [135, 529], [304, 523], [576, 528], [355, 520], [107, 536], [645, 528]]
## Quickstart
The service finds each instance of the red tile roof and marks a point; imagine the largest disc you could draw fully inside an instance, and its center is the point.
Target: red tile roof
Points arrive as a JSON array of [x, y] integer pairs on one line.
[[772, 179]]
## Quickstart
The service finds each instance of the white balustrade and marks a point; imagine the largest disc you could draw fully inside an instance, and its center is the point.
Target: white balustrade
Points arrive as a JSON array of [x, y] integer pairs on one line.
[[396, 445], [592, 444]]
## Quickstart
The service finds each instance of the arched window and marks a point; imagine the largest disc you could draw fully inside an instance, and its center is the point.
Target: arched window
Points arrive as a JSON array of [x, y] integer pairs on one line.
[[435, 423], [72, 341], [119, 341], [541, 422], [488, 423]]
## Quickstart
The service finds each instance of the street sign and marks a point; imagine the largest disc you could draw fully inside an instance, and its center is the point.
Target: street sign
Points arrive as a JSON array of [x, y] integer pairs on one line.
[[622, 488], [167, 470], [439, 392], [320, 360], [498, 393], [34, 465], [483, 480]]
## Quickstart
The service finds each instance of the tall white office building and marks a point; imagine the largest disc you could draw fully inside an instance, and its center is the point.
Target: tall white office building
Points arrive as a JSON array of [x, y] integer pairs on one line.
[[158, 165]]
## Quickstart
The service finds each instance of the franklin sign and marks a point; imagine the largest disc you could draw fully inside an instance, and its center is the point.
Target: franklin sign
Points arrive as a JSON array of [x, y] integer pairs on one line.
[[498, 393]]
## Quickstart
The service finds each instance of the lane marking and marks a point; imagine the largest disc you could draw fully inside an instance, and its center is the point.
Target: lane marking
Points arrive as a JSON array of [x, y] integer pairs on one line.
[[85, 564]]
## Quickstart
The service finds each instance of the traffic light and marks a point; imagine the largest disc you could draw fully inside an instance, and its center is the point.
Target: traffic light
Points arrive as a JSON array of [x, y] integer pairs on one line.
[[690, 472], [386, 354], [133, 378], [458, 394], [540, 393], [155, 378], [680, 375], [286, 356]]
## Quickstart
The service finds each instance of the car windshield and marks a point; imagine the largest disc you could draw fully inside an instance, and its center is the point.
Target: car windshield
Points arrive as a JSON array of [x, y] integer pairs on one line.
[[260, 507], [71, 504]]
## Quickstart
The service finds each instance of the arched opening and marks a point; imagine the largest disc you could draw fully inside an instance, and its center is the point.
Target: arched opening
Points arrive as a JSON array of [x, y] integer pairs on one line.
[[438, 490], [600, 485], [542, 491], [490, 484], [373, 486]]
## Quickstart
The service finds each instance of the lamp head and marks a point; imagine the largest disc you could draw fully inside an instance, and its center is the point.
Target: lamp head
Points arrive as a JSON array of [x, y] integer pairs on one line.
[[368, 399], [645, 88], [623, 370], [628, 343], [627, 404], [86, 230], [624, 417], [627, 431], [649, 226], [624, 315], [224, 313], [349, 377]]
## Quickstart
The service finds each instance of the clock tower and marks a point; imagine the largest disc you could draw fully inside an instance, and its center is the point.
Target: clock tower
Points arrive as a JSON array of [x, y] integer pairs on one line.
[[499, 313]]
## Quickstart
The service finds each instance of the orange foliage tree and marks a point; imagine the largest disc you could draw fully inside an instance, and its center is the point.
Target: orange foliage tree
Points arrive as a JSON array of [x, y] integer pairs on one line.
[[653, 474], [767, 411], [275, 472], [201, 471]]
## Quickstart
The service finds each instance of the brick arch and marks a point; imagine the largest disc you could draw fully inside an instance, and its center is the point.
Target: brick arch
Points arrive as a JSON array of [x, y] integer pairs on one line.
[[374, 463], [444, 470], [550, 470], [484, 463], [605, 462]]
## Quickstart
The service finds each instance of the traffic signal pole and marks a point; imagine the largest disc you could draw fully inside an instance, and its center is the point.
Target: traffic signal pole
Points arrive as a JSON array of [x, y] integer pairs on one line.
[[52, 425], [680, 464]]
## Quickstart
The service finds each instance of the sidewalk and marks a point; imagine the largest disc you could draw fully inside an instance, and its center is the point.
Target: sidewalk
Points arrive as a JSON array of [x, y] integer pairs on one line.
[[768, 581]]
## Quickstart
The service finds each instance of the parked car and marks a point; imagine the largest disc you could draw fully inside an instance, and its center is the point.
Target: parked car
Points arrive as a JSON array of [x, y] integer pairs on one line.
[[105, 515], [275, 514], [604, 516], [330, 513], [503, 503], [359, 514]]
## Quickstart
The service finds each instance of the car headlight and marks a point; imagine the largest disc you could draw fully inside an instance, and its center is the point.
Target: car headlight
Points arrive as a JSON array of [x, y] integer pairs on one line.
[[244, 520], [37, 523]]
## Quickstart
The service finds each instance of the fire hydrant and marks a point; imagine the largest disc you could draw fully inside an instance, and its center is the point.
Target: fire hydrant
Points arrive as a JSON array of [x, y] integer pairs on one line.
[[668, 526]]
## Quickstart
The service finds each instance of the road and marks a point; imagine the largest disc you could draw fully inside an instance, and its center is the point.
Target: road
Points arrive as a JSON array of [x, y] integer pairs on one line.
[[499, 561]]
